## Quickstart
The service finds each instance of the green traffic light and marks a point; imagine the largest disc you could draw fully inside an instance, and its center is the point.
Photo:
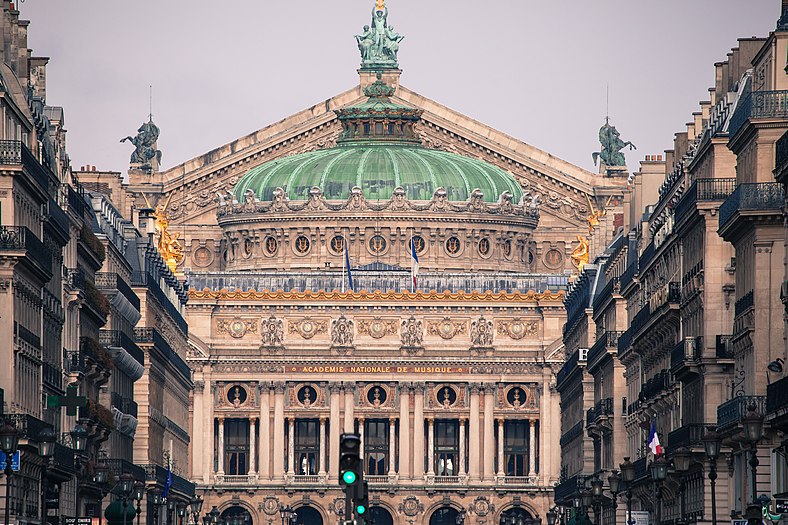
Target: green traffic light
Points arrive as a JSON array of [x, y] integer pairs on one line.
[[349, 477], [360, 509]]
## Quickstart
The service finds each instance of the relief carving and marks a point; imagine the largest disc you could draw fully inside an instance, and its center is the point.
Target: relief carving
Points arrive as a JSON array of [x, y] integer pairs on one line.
[[411, 333], [272, 332], [377, 328], [342, 332], [482, 333], [236, 328], [307, 327], [517, 328], [446, 328]]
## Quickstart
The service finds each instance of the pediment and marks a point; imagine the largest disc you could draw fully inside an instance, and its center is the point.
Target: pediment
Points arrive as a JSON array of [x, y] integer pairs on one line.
[[562, 187]]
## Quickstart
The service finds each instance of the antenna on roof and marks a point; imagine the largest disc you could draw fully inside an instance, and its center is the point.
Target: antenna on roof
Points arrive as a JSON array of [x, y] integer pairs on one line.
[[150, 103], [607, 103]]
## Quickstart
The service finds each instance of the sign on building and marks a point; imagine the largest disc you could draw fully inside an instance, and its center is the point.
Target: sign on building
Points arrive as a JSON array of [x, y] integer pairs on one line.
[[639, 517]]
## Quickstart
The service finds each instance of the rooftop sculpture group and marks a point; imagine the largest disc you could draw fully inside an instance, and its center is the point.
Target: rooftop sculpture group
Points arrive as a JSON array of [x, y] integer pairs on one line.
[[145, 146], [611, 142], [379, 44]]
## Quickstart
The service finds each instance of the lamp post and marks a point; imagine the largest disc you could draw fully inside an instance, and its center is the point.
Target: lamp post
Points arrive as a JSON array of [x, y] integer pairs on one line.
[[552, 516], [681, 461], [659, 472], [154, 496], [212, 518], [139, 493], [711, 444], [181, 510], [79, 442], [100, 478], [9, 441], [753, 431], [628, 476], [196, 507], [46, 449], [288, 515], [597, 490], [126, 487], [460, 520], [614, 482]]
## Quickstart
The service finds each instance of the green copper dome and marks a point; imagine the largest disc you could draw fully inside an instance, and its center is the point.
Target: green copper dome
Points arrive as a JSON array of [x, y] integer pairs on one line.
[[378, 169]]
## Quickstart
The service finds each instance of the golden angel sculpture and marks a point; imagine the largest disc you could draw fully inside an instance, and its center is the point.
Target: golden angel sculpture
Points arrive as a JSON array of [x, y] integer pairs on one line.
[[580, 254], [596, 214], [168, 244]]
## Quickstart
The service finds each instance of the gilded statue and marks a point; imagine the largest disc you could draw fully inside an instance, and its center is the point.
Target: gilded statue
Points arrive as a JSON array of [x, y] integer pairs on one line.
[[379, 43], [596, 214], [580, 254], [611, 142], [168, 244]]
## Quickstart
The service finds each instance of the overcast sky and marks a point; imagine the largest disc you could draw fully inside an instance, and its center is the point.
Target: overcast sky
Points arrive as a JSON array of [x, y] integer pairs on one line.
[[535, 69]]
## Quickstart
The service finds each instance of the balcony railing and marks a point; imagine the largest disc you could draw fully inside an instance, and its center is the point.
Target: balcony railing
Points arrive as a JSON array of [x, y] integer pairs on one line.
[[58, 218], [655, 385], [744, 303], [113, 281], [704, 190], [759, 104], [724, 349], [150, 335], [688, 349], [730, 413], [23, 334], [764, 197], [640, 319], [605, 341], [29, 426], [21, 238], [122, 466], [573, 433], [119, 339], [568, 367], [687, 436], [14, 152], [124, 404], [74, 362], [75, 201], [777, 396], [52, 375]]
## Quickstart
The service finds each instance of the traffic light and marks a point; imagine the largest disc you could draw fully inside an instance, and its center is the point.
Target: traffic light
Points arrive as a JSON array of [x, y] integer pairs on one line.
[[361, 499], [349, 459]]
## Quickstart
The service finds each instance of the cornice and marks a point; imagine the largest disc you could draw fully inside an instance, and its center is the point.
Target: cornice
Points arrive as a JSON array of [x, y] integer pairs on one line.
[[363, 295]]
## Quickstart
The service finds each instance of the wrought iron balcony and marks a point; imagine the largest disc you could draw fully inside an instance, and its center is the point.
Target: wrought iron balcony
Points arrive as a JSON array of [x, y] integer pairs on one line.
[[28, 425], [777, 397], [655, 386], [744, 303], [603, 409], [690, 435], [151, 336], [106, 281], [758, 198], [568, 368], [573, 433], [703, 190], [724, 348], [730, 413], [119, 339], [13, 238], [756, 105], [686, 352], [122, 466], [75, 201], [781, 152], [606, 340], [15, 152], [124, 404], [74, 362], [640, 319], [52, 375]]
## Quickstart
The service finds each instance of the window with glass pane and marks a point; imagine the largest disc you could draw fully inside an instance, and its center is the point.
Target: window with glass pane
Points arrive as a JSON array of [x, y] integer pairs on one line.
[[307, 446], [447, 447], [376, 447], [515, 447], [236, 446]]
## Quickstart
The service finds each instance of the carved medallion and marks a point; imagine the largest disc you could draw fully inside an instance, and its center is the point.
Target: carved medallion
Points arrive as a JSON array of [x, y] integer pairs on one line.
[[301, 245], [482, 332], [342, 332], [453, 246], [481, 506], [411, 332], [517, 328], [270, 505], [553, 258], [307, 327], [446, 328], [272, 331], [236, 328], [202, 257], [411, 506], [377, 328]]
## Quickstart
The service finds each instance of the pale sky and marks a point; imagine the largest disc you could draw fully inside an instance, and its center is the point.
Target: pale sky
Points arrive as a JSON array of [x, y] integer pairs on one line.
[[535, 69]]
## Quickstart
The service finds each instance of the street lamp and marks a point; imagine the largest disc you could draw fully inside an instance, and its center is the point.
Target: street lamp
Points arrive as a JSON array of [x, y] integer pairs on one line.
[[289, 516], [170, 510], [9, 441], [753, 431], [614, 482], [181, 509], [79, 442], [628, 476], [682, 459], [100, 478], [46, 449], [154, 496], [126, 489], [196, 507], [552, 516], [711, 444], [460, 520], [659, 473], [212, 518], [139, 493]]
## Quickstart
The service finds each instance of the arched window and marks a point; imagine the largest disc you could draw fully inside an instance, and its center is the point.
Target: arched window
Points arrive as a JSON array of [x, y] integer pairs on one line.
[[444, 516]]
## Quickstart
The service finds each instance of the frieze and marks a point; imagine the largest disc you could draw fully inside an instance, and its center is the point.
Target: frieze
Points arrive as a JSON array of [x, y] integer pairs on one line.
[[446, 328], [307, 327], [377, 328], [364, 295], [236, 327], [528, 207], [517, 328]]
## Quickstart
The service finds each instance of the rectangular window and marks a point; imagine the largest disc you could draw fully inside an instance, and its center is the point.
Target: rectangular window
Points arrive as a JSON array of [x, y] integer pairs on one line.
[[376, 447], [515, 448], [307, 446], [447, 447], [236, 446]]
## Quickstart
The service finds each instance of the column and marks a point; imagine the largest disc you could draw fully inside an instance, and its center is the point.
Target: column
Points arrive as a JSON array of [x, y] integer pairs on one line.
[[322, 471], [489, 432], [392, 446], [461, 469], [279, 430], [291, 447], [220, 450], [210, 446], [264, 468], [404, 432], [418, 432], [199, 434], [334, 427], [431, 447], [252, 447], [349, 403], [361, 442], [500, 448], [474, 448], [532, 448]]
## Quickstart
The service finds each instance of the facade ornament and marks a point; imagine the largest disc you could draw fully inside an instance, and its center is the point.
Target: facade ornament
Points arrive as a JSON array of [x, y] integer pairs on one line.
[[446, 328], [342, 332], [199, 386], [145, 156], [580, 255], [272, 332], [411, 333], [168, 244], [377, 328], [517, 328], [481, 333], [236, 328], [270, 505], [482, 506], [308, 327], [611, 142], [596, 214], [379, 43], [411, 507], [356, 201], [337, 506]]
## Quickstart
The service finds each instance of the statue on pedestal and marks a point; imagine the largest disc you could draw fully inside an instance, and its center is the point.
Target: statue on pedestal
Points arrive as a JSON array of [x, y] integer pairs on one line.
[[145, 151], [379, 43], [611, 142]]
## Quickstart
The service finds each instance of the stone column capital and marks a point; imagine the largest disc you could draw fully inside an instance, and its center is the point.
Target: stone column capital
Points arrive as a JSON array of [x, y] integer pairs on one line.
[[334, 387], [279, 387]]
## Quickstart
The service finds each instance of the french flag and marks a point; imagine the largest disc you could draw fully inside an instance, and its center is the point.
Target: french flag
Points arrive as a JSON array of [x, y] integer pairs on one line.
[[347, 269], [653, 440], [414, 271]]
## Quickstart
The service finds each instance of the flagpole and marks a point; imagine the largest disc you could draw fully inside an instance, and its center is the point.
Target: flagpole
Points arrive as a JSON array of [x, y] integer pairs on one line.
[[344, 261]]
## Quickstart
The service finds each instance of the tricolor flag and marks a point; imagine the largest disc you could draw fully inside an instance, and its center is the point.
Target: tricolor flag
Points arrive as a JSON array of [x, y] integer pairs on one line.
[[347, 269], [653, 440], [414, 271], [168, 482]]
